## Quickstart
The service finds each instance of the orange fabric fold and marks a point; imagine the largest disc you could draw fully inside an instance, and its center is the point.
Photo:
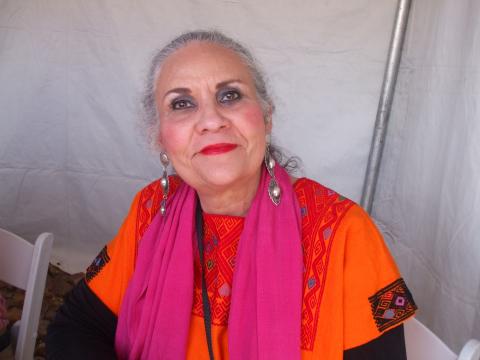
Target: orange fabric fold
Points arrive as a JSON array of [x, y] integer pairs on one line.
[[352, 290]]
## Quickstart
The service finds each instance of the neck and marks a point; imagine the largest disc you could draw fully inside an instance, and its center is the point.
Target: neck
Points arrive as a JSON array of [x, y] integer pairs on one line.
[[229, 200]]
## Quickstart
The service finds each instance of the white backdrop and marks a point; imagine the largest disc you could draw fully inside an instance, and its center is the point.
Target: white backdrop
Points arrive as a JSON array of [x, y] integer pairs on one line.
[[71, 72], [428, 200], [70, 158]]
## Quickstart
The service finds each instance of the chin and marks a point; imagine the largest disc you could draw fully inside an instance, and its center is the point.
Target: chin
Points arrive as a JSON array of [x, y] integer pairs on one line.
[[222, 177], [227, 175], [223, 172]]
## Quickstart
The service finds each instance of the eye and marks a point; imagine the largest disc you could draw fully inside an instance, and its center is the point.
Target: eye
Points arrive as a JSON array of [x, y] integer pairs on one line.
[[228, 96], [180, 104]]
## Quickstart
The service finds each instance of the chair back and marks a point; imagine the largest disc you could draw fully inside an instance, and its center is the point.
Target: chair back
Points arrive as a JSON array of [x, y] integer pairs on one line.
[[471, 350], [423, 344], [25, 266]]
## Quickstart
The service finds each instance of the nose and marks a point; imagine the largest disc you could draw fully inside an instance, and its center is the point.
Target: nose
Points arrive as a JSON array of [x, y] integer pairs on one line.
[[211, 118]]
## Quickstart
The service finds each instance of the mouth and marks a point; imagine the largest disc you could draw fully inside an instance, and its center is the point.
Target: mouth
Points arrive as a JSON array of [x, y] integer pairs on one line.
[[217, 149]]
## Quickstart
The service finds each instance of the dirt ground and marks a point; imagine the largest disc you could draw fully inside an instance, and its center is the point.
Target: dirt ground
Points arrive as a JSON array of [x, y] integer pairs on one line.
[[59, 283]]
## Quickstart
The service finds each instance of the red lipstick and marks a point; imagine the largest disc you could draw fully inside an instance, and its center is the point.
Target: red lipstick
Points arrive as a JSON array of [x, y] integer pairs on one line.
[[216, 149]]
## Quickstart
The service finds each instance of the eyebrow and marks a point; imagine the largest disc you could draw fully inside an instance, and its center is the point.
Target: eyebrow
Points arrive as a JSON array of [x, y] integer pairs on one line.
[[228, 82], [178, 91], [182, 90]]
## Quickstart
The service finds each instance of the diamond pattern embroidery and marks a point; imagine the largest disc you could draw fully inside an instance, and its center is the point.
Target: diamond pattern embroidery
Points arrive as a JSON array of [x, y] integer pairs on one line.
[[392, 304]]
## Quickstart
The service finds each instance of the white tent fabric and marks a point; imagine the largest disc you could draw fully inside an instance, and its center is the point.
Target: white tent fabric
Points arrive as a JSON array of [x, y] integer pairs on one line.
[[71, 160], [71, 72], [428, 198]]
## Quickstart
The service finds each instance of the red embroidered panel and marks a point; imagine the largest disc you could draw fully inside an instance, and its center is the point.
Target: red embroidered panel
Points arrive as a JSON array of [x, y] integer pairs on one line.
[[222, 235], [322, 210], [149, 204]]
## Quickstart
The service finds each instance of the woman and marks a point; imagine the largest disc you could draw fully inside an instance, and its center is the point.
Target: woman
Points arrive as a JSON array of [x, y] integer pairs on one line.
[[231, 258]]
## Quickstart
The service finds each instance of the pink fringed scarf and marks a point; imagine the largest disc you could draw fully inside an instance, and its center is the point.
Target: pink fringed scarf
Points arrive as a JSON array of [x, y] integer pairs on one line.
[[265, 312]]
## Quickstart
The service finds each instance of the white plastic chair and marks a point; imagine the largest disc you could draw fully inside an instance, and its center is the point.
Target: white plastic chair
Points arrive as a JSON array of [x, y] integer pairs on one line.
[[25, 266], [422, 344]]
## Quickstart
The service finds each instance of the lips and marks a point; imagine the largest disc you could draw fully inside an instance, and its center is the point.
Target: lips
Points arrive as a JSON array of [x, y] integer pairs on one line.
[[216, 149]]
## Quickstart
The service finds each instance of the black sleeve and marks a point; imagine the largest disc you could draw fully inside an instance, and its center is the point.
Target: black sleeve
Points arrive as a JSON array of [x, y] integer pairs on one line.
[[83, 328], [5, 339], [389, 346]]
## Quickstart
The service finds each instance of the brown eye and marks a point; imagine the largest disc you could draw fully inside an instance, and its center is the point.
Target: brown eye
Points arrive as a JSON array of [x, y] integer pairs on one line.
[[180, 104], [229, 96]]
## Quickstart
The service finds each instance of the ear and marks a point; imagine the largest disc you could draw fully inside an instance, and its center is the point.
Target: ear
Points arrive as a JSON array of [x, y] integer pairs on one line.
[[159, 141], [268, 126], [268, 121]]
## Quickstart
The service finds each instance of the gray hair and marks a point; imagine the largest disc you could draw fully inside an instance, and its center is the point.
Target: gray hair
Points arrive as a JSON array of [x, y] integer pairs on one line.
[[150, 114]]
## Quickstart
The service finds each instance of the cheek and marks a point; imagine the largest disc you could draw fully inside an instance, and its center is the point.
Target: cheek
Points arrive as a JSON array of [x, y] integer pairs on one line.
[[172, 139], [254, 120], [169, 135]]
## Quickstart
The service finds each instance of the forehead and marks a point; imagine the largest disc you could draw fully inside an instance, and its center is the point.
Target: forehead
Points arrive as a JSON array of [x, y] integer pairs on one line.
[[202, 61]]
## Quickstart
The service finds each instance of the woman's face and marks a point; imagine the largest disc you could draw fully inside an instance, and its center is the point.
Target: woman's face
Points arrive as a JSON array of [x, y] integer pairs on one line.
[[211, 123]]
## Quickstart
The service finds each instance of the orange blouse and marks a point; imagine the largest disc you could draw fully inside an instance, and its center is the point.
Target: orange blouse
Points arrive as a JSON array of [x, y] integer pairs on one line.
[[352, 290]]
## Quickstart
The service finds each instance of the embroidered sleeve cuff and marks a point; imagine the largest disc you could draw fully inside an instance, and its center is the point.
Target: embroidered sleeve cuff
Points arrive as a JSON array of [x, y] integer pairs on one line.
[[392, 304]]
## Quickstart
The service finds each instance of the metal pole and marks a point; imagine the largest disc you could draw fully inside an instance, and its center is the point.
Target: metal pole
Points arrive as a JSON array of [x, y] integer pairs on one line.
[[385, 103]]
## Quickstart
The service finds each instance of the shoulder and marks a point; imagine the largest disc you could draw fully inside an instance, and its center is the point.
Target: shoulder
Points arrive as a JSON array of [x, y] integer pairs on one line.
[[318, 202], [148, 201], [327, 215], [154, 191], [110, 271], [308, 188], [313, 196]]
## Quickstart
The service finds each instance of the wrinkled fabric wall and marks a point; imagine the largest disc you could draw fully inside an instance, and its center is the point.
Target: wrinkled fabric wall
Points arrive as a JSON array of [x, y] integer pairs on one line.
[[428, 200], [71, 158], [71, 73]]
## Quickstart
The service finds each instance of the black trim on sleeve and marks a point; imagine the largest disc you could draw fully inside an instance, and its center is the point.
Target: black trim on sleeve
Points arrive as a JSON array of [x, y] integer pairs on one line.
[[5, 339], [389, 346], [392, 304], [83, 328], [97, 265]]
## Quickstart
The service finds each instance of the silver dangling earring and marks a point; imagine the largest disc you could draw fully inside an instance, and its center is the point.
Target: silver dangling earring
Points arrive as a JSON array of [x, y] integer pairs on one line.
[[164, 183], [273, 189]]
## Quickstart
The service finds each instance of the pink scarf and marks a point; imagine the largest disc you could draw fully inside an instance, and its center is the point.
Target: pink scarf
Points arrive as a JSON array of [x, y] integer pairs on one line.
[[265, 312]]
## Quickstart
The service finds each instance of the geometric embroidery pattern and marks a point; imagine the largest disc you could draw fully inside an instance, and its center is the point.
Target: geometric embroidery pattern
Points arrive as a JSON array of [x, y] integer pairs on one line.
[[322, 211], [392, 304], [149, 204], [221, 238], [98, 263]]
